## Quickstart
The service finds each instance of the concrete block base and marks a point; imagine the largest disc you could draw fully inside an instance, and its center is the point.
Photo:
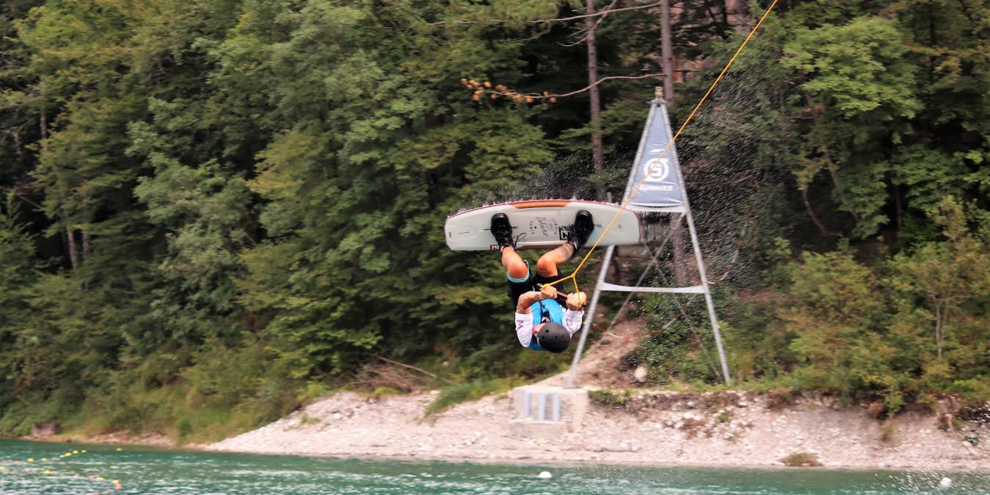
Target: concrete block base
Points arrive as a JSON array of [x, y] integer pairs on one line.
[[541, 430], [546, 411]]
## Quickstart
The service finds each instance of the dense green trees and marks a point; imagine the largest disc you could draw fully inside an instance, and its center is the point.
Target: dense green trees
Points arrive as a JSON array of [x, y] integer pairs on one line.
[[881, 123], [215, 208]]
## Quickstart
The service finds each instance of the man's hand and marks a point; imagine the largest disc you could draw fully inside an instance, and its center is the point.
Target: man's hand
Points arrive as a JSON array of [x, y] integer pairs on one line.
[[548, 292], [576, 301]]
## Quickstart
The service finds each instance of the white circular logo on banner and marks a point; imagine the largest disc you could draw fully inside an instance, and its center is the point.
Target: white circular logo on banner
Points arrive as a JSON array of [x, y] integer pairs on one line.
[[657, 169]]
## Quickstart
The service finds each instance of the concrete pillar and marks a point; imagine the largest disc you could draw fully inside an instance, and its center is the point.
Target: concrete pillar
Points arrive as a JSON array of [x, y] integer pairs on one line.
[[543, 411]]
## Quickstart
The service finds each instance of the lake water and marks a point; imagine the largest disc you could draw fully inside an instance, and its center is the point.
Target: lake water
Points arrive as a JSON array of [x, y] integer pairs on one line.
[[154, 472]]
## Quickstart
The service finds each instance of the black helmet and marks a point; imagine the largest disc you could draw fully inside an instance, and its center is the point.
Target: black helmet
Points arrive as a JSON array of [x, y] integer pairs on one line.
[[554, 337]]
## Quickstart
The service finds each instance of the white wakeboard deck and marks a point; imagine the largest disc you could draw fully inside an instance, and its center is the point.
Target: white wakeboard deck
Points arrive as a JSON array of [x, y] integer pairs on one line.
[[540, 224]]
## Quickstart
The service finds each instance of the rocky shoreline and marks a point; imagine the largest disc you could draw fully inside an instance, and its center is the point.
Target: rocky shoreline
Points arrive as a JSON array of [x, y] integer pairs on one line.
[[631, 427], [624, 424]]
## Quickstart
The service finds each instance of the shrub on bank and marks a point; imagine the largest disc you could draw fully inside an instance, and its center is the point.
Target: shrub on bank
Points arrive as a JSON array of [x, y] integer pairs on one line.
[[888, 332]]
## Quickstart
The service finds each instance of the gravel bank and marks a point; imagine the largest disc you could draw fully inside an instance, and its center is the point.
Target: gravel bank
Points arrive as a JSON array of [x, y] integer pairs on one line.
[[726, 429]]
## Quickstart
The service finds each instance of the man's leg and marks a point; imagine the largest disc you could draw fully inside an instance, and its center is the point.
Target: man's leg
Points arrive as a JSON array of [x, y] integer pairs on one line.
[[517, 272], [583, 225], [547, 265], [515, 267]]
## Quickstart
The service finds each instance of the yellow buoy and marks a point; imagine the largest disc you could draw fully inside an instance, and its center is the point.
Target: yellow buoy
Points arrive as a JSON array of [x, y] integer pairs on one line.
[[30, 459]]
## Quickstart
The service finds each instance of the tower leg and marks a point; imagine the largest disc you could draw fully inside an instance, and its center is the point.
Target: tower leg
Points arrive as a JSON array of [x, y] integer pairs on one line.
[[589, 316], [708, 295]]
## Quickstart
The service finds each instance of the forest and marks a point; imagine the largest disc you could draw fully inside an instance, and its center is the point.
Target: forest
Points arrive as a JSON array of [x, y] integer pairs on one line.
[[214, 210]]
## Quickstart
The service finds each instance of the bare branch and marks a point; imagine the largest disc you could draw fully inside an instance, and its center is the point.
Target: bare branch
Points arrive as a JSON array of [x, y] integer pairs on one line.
[[539, 34], [537, 96], [601, 13], [24, 198], [390, 361], [583, 37], [582, 34], [814, 218], [611, 7]]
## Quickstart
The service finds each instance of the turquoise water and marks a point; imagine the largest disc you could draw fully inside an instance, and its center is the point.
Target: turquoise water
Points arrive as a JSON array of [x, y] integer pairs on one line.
[[154, 472]]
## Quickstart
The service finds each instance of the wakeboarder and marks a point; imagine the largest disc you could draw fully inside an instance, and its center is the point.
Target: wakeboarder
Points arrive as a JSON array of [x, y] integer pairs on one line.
[[545, 319]]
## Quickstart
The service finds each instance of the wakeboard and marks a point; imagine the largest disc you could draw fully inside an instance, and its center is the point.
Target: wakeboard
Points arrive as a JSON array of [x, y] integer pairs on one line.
[[540, 224]]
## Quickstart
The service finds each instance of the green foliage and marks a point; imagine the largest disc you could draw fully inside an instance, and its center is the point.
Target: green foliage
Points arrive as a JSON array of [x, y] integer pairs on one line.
[[801, 459], [859, 87], [468, 391], [609, 397], [384, 391], [906, 331], [901, 329], [856, 68], [18, 271]]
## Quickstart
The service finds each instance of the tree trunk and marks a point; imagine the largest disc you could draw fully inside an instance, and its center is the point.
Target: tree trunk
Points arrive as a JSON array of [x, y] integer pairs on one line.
[[814, 218], [678, 242], [43, 123], [70, 236], [87, 247], [827, 153], [597, 154], [898, 208], [667, 52], [938, 328]]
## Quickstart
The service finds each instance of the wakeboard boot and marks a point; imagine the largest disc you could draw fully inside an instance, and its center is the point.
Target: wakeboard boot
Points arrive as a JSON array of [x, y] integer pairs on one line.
[[581, 230], [502, 230]]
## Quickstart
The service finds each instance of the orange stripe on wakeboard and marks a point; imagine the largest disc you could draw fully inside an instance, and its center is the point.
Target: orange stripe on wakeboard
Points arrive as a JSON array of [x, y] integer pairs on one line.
[[524, 247], [540, 204]]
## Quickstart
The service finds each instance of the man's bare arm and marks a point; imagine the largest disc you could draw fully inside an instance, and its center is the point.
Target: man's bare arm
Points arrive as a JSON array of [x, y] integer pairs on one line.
[[528, 299]]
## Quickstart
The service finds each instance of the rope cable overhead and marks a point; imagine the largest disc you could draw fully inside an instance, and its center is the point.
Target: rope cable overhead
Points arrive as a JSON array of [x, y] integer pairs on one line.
[[573, 276]]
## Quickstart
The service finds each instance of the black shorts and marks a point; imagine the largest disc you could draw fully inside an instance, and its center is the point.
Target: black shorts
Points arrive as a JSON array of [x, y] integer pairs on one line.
[[534, 282]]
